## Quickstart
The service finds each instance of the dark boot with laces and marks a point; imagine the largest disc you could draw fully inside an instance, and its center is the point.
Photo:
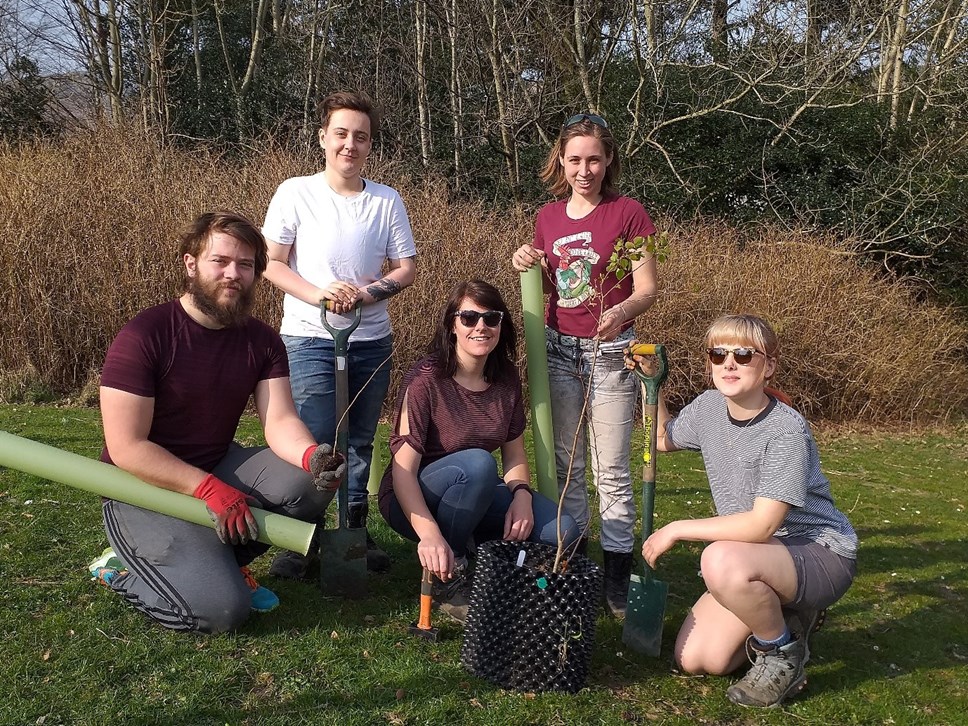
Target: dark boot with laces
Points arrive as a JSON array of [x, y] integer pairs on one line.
[[376, 559], [295, 566], [618, 570], [803, 624], [453, 597]]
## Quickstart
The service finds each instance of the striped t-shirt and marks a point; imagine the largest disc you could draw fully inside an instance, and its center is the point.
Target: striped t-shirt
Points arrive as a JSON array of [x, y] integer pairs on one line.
[[773, 456]]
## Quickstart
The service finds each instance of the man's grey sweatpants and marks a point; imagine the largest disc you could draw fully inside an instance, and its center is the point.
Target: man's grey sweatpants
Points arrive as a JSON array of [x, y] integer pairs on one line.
[[179, 573]]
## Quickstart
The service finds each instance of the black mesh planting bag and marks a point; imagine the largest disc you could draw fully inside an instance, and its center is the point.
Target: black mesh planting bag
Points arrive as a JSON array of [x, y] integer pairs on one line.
[[529, 629]]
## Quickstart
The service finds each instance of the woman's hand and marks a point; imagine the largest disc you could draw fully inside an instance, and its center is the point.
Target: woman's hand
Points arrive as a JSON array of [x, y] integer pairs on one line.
[[436, 555], [519, 520], [648, 364], [631, 361], [660, 542], [526, 257], [343, 296], [611, 323]]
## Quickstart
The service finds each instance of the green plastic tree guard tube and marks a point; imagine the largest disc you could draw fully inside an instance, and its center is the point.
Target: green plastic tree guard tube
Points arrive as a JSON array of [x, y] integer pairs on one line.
[[532, 301], [109, 481]]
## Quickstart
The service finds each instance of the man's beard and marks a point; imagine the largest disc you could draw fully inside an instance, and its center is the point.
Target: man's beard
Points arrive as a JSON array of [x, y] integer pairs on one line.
[[229, 314]]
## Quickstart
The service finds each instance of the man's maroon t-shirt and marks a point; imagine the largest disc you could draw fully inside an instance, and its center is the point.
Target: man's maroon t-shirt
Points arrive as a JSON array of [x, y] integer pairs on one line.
[[200, 379]]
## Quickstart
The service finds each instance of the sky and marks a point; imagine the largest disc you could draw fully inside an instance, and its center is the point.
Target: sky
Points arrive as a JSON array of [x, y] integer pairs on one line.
[[41, 30]]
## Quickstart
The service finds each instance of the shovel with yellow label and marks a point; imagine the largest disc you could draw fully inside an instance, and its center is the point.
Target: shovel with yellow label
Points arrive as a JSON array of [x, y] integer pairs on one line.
[[645, 614]]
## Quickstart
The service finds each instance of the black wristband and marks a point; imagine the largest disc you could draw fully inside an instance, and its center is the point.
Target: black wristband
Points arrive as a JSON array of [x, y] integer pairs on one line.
[[521, 485]]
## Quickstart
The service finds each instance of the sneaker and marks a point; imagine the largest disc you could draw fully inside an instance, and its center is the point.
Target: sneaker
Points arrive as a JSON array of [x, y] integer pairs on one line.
[[453, 597], [294, 566], [106, 567], [804, 623], [376, 559], [263, 599], [775, 675]]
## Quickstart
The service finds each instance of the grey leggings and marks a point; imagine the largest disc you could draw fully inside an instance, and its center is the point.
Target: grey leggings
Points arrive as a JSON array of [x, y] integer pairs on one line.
[[179, 573]]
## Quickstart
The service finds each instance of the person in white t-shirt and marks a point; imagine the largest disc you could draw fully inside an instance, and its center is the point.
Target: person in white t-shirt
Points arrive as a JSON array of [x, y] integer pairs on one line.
[[335, 236]]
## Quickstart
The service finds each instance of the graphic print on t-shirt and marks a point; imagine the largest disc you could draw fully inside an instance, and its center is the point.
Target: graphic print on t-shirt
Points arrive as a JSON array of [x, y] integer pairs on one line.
[[575, 261]]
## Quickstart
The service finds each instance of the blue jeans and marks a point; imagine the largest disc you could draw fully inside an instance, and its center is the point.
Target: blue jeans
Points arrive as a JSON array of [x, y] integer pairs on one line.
[[312, 374], [604, 427], [467, 498]]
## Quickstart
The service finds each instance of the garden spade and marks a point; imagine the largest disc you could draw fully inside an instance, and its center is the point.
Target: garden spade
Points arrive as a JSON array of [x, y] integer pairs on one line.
[[645, 614], [342, 551]]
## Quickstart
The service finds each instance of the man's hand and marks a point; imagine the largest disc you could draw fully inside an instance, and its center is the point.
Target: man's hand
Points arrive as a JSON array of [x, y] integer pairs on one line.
[[326, 466], [227, 507]]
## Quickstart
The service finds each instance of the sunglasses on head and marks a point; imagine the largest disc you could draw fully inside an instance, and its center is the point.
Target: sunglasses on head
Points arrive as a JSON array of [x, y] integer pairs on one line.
[[469, 318], [742, 356], [579, 117]]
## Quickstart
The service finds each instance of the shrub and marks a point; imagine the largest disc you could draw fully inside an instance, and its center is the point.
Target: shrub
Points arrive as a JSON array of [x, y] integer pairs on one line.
[[89, 227], [854, 346]]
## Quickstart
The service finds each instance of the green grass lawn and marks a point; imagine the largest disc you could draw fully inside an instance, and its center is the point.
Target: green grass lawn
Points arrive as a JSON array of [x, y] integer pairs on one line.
[[893, 651]]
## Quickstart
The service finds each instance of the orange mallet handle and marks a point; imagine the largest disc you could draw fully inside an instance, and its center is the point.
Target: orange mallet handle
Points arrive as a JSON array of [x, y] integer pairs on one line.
[[422, 628], [426, 588]]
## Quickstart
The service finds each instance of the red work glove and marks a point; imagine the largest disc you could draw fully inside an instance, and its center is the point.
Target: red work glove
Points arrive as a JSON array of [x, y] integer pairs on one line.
[[227, 507], [326, 466]]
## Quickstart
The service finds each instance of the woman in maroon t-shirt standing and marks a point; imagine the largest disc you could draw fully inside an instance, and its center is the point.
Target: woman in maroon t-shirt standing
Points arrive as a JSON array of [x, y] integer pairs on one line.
[[455, 407], [590, 319]]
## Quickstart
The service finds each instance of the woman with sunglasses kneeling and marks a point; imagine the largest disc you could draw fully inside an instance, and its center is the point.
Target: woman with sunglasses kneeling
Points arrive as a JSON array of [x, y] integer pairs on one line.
[[589, 320], [780, 551], [442, 488]]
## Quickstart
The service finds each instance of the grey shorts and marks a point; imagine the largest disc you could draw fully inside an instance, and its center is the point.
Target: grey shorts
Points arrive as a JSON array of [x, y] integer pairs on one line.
[[823, 576]]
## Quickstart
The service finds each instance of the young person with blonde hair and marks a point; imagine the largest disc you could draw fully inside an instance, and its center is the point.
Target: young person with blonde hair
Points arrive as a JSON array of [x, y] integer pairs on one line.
[[780, 552]]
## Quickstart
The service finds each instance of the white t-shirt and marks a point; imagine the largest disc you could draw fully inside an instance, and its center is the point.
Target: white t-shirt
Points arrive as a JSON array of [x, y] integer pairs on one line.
[[337, 238]]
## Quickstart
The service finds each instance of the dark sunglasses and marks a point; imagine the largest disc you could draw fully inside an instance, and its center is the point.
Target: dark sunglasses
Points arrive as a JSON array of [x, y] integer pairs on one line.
[[579, 117], [742, 356], [469, 318]]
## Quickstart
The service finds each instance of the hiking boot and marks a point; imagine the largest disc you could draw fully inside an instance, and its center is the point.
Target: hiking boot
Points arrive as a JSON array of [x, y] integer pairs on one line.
[[263, 599], [618, 570], [376, 559], [453, 597], [804, 623], [106, 567], [775, 675], [294, 566]]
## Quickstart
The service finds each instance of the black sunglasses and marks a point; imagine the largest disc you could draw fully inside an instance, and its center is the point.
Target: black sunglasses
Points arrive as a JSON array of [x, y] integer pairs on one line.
[[469, 318], [579, 117], [742, 356]]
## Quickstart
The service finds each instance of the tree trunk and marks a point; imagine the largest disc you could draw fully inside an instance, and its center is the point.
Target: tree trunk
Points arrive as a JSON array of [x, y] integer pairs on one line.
[[897, 54], [423, 102], [454, 91], [718, 40]]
